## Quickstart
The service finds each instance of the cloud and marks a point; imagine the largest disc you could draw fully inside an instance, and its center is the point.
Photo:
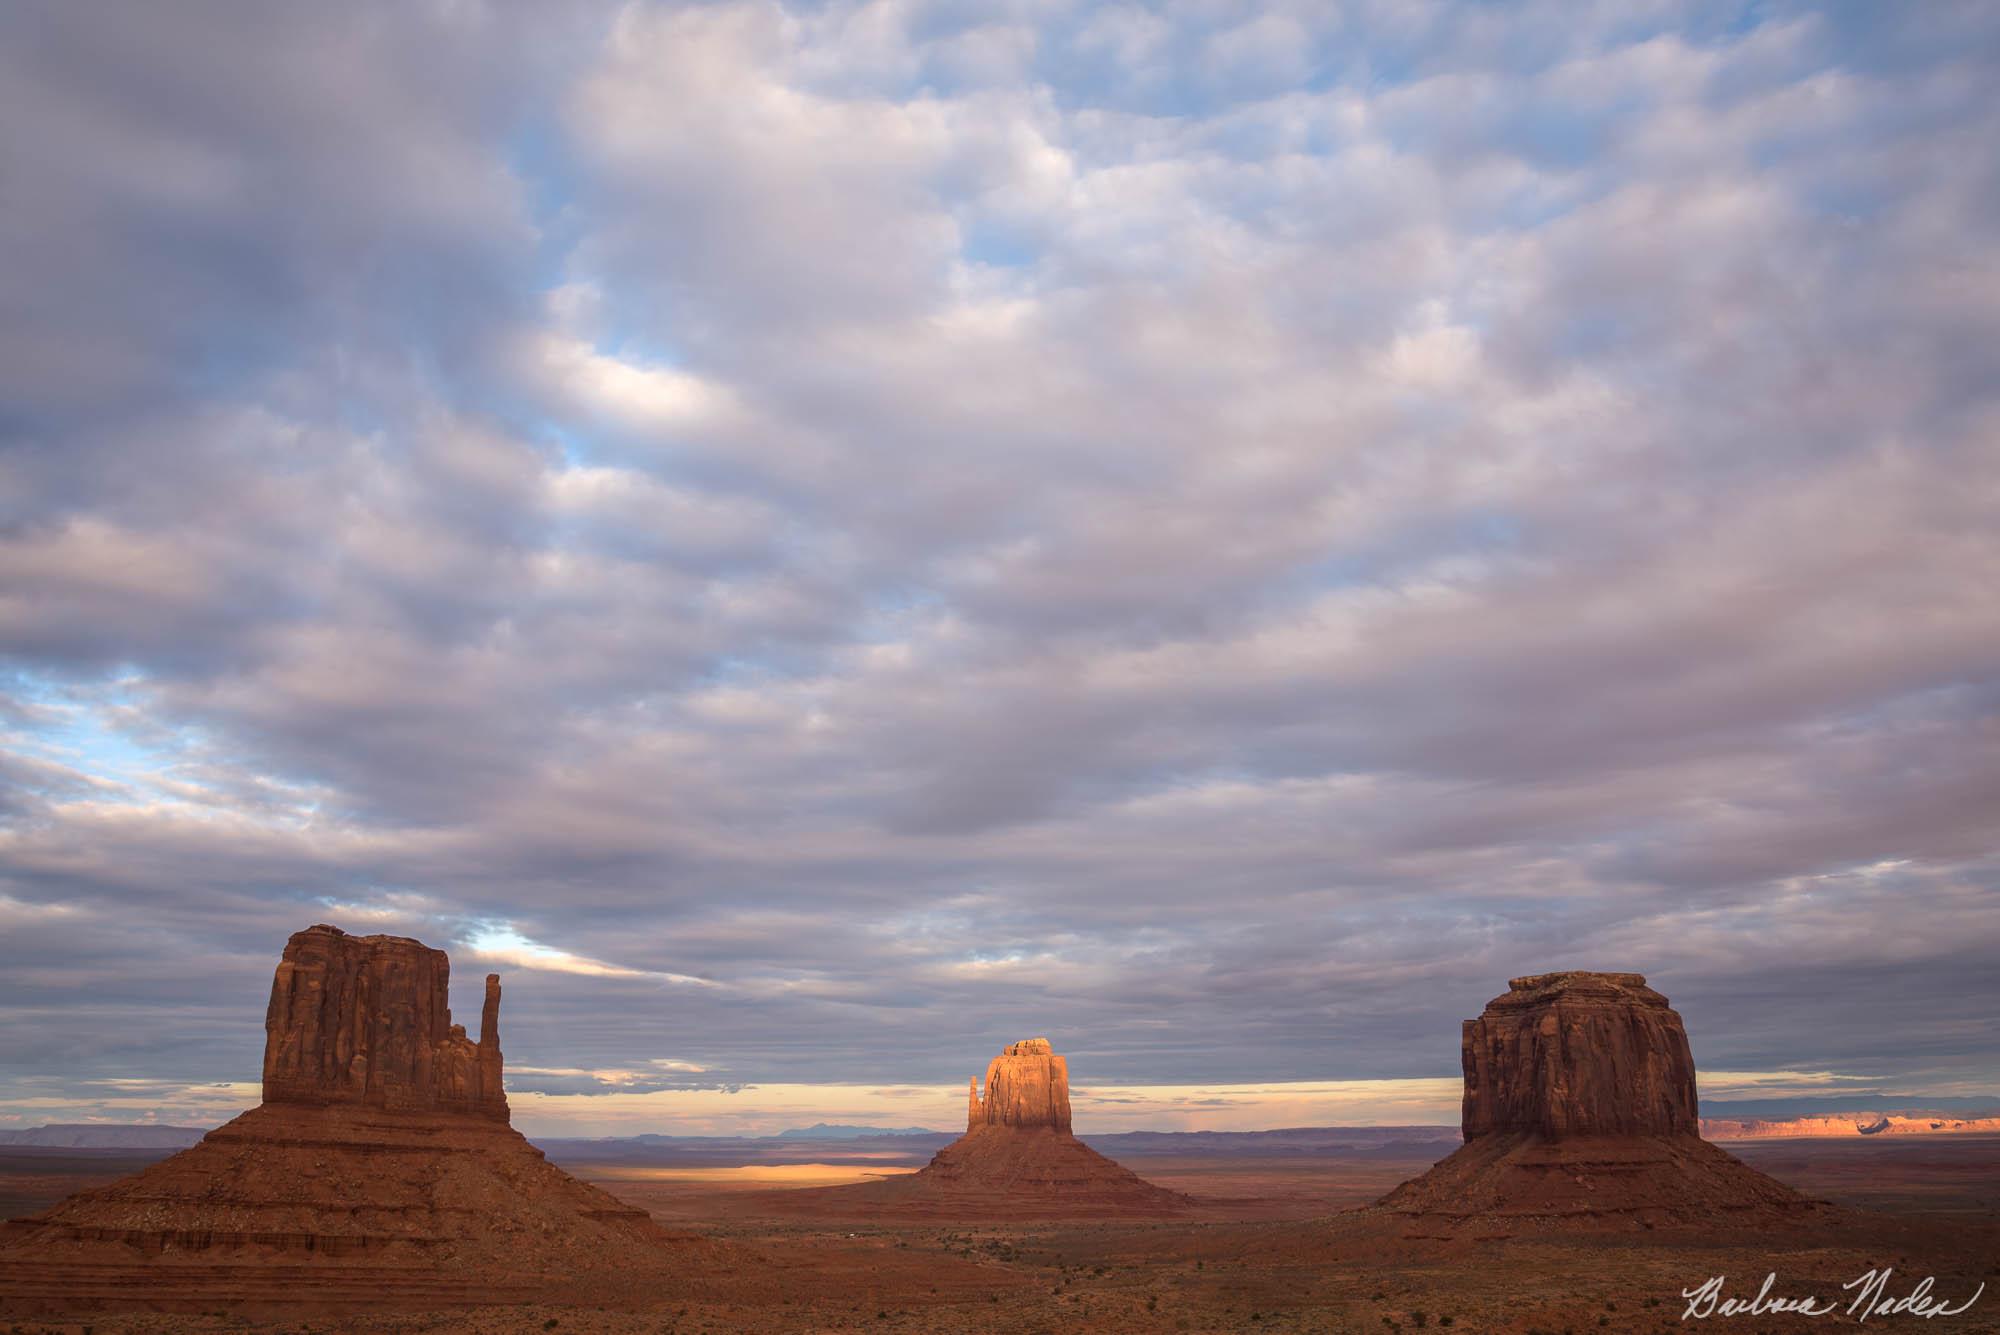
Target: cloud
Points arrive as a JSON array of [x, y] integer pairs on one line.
[[823, 540], [500, 943], [1772, 1084]]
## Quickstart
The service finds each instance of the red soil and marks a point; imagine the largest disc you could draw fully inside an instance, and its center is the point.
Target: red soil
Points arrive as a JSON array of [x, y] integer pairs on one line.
[[1511, 1184], [997, 1173], [320, 1206]]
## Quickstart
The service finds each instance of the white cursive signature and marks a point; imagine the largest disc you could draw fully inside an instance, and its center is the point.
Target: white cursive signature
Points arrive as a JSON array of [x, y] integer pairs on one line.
[[1871, 1298]]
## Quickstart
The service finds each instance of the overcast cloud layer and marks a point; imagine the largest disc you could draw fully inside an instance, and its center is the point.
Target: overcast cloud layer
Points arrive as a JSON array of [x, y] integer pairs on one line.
[[819, 541]]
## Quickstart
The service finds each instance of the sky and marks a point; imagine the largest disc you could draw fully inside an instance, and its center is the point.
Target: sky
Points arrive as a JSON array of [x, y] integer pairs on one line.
[[821, 540]]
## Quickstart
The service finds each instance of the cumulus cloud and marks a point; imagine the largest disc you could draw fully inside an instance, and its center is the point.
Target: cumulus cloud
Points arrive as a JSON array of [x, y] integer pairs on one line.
[[820, 540]]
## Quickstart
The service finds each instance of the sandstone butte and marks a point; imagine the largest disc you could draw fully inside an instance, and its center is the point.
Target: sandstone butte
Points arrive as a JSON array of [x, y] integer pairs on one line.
[[1027, 1085], [1018, 1159], [1580, 1112], [380, 1170], [365, 1020]]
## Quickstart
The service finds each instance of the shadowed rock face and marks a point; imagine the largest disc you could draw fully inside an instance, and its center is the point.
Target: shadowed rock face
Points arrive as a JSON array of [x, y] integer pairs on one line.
[[1578, 1054], [1027, 1085], [1580, 1113], [365, 1020], [380, 1170]]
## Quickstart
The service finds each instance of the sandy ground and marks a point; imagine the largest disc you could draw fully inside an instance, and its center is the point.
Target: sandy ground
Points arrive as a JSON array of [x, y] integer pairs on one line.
[[1267, 1253], [1226, 1189]]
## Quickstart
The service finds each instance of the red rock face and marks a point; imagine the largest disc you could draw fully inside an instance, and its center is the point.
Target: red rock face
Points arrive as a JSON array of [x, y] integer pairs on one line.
[[1027, 1085], [379, 1171], [1580, 1115], [1578, 1054], [1018, 1158], [365, 1020]]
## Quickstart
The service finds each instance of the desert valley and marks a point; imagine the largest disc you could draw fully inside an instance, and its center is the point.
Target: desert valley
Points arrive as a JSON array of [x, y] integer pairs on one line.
[[380, 1188], [1034, 667]]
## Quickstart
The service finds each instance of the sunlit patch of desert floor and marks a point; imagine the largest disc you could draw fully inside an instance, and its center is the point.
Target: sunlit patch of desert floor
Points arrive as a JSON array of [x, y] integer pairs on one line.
[[643, 1183], [1260, 1255], [1226, 1189]]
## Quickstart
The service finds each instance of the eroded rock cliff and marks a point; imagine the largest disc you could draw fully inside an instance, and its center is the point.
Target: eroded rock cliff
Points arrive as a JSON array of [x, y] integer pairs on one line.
[[380, 1170], [366, 1020], [1578, 1054], [1018, 1159], [1580, 1113], [1027, 1085]]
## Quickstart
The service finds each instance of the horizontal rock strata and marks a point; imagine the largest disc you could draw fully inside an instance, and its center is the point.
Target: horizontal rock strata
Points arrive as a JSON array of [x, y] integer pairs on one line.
[[381, 1162], [1580, 1112], [1018, 1159], [366, 1020], [1027, 1085], [1578, 1054]]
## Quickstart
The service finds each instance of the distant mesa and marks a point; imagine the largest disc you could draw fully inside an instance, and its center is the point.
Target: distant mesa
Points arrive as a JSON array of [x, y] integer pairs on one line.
[[1847, 1125], [380, 1169], [1580, 1110]]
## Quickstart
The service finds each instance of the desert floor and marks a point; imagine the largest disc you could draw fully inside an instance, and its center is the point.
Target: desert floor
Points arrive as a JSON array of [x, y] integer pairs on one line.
[[1265, 1250]]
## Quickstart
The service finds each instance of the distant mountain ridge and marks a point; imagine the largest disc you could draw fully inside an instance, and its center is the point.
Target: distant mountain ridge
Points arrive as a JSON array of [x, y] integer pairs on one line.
[[1312, 1138], [838, 1131], [1747, 1120], [105, 1136], [914, 1148]]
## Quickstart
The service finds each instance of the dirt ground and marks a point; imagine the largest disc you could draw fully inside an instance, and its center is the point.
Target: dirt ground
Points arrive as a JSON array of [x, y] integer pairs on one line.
[[1268, 1250]]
